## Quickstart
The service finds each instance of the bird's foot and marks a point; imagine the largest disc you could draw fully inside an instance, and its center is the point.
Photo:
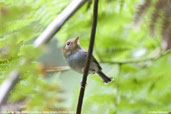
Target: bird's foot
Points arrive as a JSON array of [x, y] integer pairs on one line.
[[82, 85]]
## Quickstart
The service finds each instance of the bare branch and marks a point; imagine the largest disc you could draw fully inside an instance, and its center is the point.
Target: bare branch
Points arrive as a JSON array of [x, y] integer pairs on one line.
[[7, 85], [138, 60], [57, 69], [55, 26], [87, 64], [117, 99]]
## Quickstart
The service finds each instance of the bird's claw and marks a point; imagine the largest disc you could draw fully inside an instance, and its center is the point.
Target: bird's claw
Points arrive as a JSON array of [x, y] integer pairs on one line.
[[82, 86]]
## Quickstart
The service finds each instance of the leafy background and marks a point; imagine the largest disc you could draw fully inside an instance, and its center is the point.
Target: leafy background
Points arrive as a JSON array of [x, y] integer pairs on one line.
[[138, 87]]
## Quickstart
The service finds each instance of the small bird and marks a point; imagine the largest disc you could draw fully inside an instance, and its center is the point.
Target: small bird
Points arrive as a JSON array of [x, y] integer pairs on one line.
[[76, 58]]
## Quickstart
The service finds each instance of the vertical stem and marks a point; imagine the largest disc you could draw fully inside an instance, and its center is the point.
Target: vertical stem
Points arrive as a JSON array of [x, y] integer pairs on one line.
[[117, 88], [87, 64]]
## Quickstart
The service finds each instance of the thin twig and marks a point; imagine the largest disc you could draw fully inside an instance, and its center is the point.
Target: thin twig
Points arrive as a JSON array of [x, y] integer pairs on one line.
[[47, 34], [138, 60], [117, 98], [58, 22], [57, 69], [90, 50]]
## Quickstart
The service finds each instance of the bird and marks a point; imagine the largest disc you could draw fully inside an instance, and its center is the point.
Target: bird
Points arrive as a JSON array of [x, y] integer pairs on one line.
[[75, 57]]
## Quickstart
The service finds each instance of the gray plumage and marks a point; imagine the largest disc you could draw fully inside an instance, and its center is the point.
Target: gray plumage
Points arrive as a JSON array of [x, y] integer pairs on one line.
[[77, 61], [76, 58]]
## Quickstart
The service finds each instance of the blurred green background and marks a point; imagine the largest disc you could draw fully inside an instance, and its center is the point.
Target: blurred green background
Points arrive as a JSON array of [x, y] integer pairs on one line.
[[134, 32]]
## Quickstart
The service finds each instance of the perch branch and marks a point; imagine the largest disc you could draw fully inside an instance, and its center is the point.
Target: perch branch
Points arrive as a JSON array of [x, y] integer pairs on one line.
[[47, 34], [88, 59], [58, 22]]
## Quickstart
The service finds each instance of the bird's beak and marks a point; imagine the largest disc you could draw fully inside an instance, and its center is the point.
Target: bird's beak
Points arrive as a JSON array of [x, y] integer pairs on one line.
[[76, 40]]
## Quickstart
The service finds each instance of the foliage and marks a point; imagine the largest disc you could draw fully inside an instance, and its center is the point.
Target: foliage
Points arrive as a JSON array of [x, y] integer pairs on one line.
[[138, 87], [160, 18], [19, 23]]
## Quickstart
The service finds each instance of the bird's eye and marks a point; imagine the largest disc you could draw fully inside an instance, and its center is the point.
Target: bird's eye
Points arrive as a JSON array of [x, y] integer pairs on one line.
[[68, 43]]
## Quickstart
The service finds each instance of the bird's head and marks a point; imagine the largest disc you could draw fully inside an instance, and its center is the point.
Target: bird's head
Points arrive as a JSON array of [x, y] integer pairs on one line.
[[71, 46]]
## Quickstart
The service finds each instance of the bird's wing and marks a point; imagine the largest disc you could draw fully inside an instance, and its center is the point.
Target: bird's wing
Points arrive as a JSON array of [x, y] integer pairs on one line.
[[93, 59]]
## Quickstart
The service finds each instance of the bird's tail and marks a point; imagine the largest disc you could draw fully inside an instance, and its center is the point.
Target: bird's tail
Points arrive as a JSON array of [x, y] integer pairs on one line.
[[105, 78]]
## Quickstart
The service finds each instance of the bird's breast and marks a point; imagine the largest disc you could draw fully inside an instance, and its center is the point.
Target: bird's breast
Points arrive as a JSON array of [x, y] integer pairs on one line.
[[77, 60]]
